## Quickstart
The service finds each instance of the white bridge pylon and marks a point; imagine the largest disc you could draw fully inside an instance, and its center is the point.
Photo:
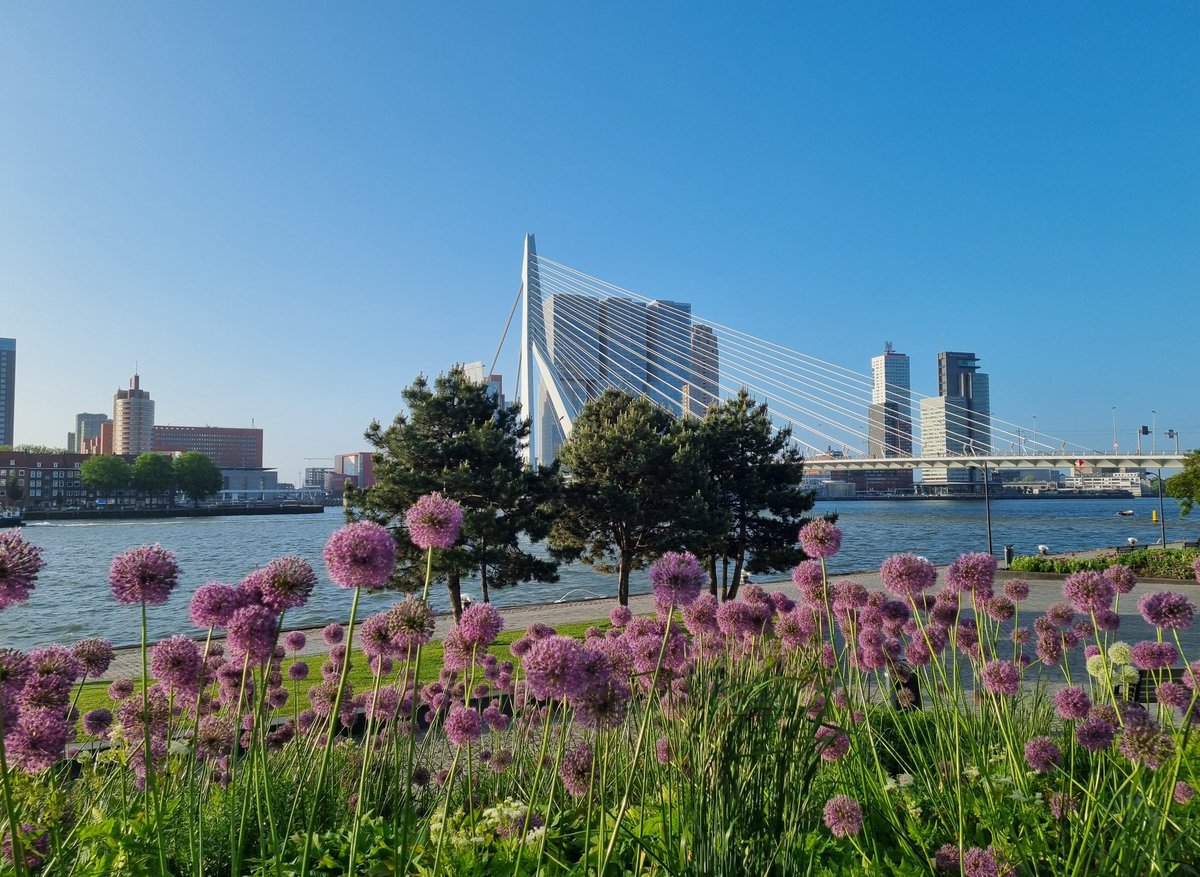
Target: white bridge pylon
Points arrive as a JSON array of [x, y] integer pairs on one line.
[[581, 335]]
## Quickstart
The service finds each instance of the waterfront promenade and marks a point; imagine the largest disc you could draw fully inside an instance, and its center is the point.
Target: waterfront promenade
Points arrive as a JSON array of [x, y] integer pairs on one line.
[[1044, 589]]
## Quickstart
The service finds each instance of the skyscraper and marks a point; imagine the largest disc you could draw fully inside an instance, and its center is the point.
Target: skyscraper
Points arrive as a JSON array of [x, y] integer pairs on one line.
[[8, 388], [87, 426], [133, 419], [958, 421], [702, 389], [668, 352], [889, 416]]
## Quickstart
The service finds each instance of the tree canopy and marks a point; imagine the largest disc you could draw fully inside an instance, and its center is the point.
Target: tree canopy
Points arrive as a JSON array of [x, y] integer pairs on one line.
[[752, 484], [13, 490], [105, 473], [456, 439], [631, 487], [1185, 486], [153, 474], [196, 475]]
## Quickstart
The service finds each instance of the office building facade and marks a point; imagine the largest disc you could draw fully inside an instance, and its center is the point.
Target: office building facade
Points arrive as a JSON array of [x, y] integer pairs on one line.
[[87, 426], [8, 388], [133, 419], [228, 447], [958, 421]]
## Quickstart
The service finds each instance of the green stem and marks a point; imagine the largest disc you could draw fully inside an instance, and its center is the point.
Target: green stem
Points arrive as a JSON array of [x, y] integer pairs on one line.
[[147, 756], [14, 825]]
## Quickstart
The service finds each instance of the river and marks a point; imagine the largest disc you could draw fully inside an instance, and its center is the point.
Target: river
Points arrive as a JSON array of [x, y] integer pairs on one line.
[[72, 598]]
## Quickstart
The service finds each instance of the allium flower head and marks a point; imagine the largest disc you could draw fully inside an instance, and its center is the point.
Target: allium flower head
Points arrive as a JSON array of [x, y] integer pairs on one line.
[[907, 575], [677, 578], [843, 816], [1122, 578], [480, 624], [807, 574], [176, 662], [463, 725], [1001, 677], [284, 583], [1144, 743], [1089, 591], [1120, 653], [120, 689], [1061, 805], [57, 661], [1072, 703], [295, 640], [1151, 655], [144, 575], [972, 574], [553, 667], [411, 623], [576, 770], [361, 554], [96, 722], [333, 634], [1183, 793], [252, 632], [1042, 754], [700, 617], [1095, 734], [1174, 695], [20, 563], [980, 862], [434, 521], [95, 655], [213, 605], [820, 538], [1016, 590], [1167, 610]]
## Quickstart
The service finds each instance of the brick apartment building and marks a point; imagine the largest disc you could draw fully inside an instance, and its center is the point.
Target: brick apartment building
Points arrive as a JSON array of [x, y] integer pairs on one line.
[[229, 448]]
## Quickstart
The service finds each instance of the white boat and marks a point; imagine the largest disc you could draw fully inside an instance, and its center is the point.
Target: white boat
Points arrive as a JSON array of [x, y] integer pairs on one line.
[[10, 517], [1127, 513]]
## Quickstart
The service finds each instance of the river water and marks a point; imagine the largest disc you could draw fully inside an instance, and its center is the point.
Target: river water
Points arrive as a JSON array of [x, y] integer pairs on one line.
[[72, 598]]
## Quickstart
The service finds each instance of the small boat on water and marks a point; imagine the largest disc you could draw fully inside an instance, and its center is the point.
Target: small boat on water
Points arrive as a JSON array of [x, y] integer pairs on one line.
[[1126, 513], [10, 517]]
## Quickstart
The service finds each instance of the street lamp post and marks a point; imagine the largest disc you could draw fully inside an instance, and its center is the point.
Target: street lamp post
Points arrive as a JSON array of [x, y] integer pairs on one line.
[[1154, 432], [1116, 445], [1035, 433], [1162, 514]]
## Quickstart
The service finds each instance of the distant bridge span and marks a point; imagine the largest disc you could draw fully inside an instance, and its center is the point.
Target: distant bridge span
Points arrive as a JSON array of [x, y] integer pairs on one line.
[[1026, 461]]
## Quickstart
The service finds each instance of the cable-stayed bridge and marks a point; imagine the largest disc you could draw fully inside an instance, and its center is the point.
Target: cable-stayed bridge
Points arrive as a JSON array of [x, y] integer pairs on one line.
[[581, 335]]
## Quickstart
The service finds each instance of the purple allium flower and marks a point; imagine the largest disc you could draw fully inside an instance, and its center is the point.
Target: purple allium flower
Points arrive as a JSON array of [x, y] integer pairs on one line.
[[333, 634], [56, 661], [434, 521], [298, 671], [553, 667], [736, 619], [1000, 608], [1042, 754], [1001, 677], [1072, 703], [944, 611], [1089, 591], [34, 844], [1150, 655], [480, 624], [213, 605], [38, 740], [1167, 610], [361, 554], [662, 750], [411, 623], [45, 691], [20, 563], [677, 578], [700, 618], [176, 662], [979, 862], [831, 743], [843, 816], [1095, 734], [972, 574], [907, 575], [576, 770], [1061, 805], [1059, 615], [144, 575], [947, 858], [1122, 578], [1174, 695], [620, 616], [820, 538], [1107, 620], [94, 655], [120, 689], [252, 632], [1143, 742], [284, 583], [808, 577], [295, 640], [96, 722], [375, 636], [1016, 590], [538, 631], [463, 725], [1183, 793]]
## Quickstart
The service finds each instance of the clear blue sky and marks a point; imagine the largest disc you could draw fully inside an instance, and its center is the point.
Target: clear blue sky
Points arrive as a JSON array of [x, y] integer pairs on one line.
[[286, 211]]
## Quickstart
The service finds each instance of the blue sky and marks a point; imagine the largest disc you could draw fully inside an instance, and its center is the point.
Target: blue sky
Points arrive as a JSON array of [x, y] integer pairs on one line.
[[284, 212]]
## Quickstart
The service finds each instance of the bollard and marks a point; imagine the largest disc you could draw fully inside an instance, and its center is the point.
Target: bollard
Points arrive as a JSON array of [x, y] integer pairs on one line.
[[1008, 556]]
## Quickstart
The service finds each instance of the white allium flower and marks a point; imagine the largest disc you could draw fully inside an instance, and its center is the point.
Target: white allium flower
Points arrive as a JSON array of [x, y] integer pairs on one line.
[[1097, 666], [1120, 653]]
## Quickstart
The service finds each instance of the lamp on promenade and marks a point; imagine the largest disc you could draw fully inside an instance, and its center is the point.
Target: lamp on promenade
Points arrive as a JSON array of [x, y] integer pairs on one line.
[[1154, 432], [1116, 445]]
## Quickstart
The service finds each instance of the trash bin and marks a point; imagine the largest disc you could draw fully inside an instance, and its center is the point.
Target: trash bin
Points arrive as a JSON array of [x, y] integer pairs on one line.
[[1008, 556]]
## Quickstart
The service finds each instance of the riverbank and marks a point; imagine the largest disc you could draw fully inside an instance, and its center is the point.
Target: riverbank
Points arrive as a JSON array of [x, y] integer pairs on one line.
[[218, 511]]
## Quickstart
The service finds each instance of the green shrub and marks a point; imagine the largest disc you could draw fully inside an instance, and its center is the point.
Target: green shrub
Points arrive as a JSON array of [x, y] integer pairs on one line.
[[1174, 563]]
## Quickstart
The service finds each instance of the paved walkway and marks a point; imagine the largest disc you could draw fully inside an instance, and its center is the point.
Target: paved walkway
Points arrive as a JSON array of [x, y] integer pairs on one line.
[[1044, 590]]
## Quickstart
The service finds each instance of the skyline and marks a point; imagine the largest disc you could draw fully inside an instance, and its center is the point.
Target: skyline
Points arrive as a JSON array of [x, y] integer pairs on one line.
[[285, 219]]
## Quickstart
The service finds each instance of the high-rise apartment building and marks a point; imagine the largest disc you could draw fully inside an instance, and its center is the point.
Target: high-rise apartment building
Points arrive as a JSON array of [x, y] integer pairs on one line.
[[87, 426], [668, 352], [227, 447], [958, 421], [8, 388], [133, 419], [889, 416], [701, 391]]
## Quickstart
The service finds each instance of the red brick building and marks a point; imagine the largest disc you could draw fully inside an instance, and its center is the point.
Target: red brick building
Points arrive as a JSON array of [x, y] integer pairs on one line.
[[229, 448]]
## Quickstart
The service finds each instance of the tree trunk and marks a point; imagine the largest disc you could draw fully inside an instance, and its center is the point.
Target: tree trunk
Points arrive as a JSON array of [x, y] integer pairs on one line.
[[452, 585], [483, 585], [725, 595], [623, 581], [712, 575]]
